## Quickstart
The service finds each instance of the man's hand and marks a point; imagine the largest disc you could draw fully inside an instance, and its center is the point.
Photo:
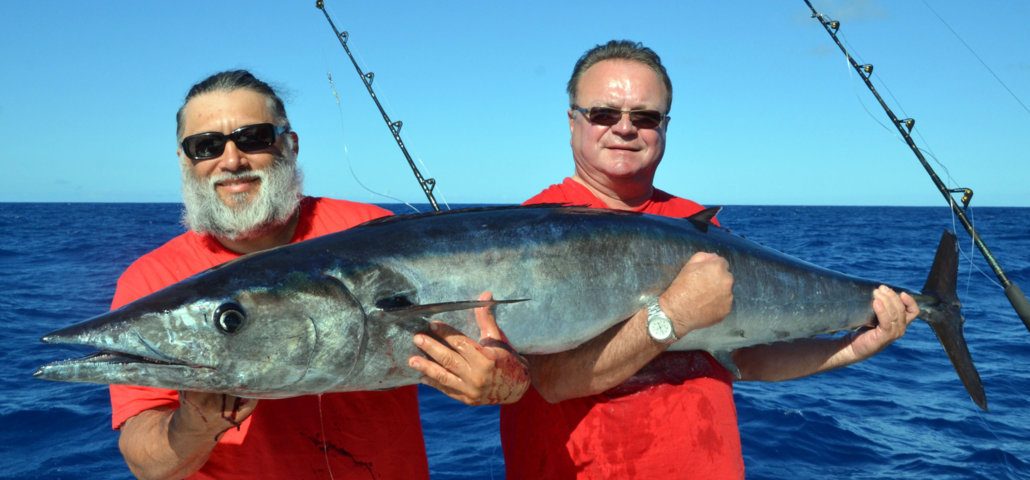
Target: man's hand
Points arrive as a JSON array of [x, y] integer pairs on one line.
[[893, 314], [701, 295], [209, 414], [485, 373], [165, 443]]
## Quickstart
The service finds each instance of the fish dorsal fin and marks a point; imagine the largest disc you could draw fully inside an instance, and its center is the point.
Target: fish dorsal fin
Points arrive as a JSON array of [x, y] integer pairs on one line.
[[404, 308], [703, 219]]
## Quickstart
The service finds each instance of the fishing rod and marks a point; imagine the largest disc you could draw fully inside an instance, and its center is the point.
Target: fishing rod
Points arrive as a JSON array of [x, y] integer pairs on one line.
[[904, 126], [427, 184]]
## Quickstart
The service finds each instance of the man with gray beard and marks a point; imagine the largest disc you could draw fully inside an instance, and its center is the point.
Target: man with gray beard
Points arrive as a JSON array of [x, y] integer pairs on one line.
[[242, 194], [205, 212]]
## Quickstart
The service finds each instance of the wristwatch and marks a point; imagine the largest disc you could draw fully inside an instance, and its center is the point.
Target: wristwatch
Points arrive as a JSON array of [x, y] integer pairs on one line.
[[658, 324]]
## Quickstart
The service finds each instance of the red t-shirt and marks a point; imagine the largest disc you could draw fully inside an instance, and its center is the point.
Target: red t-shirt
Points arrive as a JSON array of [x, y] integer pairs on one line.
[[350, 435], [674, 419]]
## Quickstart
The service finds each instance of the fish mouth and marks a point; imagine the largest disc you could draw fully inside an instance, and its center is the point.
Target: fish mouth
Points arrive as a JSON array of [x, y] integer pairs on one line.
[[122, 356], [117, 367], [118, 358]]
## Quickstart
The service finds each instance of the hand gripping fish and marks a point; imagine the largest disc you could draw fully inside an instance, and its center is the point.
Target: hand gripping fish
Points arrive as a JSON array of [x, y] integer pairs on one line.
[[337, 313]]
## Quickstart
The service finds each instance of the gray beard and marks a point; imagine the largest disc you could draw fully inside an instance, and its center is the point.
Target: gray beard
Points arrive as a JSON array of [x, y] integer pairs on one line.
[[254, 214]]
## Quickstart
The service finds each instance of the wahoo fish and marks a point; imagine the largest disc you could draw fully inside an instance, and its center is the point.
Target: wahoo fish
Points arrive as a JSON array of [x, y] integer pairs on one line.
[[337, 313]]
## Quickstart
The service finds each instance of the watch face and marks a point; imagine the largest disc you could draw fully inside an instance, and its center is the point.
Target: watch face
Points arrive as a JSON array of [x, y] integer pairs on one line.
[[660, 330]]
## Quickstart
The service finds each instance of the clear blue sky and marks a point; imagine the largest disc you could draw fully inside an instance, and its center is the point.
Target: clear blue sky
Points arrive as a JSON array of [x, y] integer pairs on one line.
[[766, 110]]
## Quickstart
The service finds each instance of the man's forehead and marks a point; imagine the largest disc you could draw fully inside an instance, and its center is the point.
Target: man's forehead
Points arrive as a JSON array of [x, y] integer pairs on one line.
[[238, 105], [613, 77], [238, 99]]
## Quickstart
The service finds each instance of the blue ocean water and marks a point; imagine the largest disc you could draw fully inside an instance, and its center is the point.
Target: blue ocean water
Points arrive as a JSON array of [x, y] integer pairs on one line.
[[903, 414]]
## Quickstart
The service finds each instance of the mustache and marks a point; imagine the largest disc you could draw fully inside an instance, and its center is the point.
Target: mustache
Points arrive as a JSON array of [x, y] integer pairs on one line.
[[233, 176]]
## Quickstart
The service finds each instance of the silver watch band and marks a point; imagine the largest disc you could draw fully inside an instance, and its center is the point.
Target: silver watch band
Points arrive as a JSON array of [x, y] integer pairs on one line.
[[659, 325]]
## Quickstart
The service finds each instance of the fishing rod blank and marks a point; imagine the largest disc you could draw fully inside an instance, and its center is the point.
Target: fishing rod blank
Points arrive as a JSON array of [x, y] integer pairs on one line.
[[904, 126], [427, 184]]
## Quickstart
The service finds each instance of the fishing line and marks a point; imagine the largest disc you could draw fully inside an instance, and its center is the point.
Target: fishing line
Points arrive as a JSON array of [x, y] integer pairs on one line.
[[972, 265], [346, 151], [883, 83], [858, 97], [987, 427], [918, 131], [427, 184], [954, 227], [325, 439], [443, 198], [355, 176], [982, 62], [343, 136], [321, 419], [383, 89]]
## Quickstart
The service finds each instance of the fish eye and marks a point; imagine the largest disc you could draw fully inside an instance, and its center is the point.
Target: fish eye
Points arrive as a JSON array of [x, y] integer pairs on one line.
[[229, 317]]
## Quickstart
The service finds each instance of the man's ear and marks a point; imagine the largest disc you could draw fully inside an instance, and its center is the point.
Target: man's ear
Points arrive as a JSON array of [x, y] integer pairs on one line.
[[294, 142], [182, 157]]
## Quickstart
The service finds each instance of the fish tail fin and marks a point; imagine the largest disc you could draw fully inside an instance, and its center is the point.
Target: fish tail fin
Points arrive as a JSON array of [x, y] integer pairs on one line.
[[945, 316]]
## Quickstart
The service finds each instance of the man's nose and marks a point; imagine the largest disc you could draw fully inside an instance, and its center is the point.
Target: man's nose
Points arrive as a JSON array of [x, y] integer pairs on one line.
[[232, 158], [624, 126]]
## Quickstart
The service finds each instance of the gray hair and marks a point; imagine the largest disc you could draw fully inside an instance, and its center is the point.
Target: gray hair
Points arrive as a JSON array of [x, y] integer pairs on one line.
[[619, 50], [228, 81]]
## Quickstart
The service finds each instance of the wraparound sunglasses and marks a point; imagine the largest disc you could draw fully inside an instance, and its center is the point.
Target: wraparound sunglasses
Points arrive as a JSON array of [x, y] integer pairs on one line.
[[248, 138]]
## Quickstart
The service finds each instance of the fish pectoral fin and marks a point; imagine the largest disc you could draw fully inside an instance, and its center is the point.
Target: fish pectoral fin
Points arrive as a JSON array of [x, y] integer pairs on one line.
[[726, 359], [430, 309], [703, 219]]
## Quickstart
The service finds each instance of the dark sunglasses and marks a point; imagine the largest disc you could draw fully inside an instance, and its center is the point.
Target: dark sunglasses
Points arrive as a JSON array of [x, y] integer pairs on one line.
[[248, 138], [607, 116]]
